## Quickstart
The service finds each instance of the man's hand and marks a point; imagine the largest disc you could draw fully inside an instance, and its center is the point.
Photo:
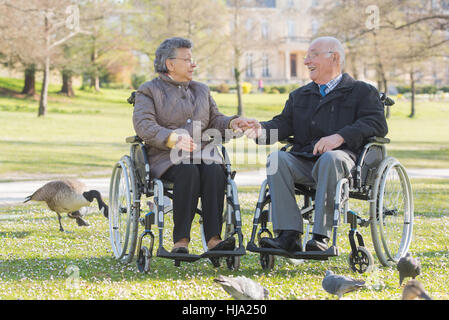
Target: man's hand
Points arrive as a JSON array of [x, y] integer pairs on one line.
[[328, 143]]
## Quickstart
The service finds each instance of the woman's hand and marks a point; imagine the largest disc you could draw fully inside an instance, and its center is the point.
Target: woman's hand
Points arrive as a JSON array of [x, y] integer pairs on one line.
[[185, 143]]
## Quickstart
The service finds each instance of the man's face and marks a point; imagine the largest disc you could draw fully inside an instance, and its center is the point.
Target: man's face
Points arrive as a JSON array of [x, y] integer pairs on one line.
[[320, 62], [181, 68]]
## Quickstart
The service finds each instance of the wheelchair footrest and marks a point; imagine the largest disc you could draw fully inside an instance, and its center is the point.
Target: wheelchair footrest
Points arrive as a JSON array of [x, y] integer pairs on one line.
[[224, 253], [306, 255], [187, 257]]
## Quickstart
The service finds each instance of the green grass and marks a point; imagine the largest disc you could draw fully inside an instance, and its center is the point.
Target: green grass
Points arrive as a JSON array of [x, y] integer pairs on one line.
[[36, 259]]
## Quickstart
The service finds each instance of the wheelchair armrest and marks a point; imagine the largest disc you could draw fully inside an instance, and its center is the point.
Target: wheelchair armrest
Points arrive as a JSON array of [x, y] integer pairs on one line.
[[133, 139], [379, 140], [288, 140]]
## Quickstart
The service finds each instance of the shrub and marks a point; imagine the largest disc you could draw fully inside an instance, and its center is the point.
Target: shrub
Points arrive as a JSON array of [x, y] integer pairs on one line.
[[137, 80], [223, 88], [246, 87]]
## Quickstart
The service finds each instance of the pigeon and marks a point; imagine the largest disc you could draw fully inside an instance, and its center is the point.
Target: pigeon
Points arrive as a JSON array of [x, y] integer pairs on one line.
[[408, 267], [242, 288], [339, 285], [414, 289]]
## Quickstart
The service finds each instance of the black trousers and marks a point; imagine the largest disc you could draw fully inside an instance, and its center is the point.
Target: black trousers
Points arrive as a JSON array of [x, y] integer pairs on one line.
[[190, 182]]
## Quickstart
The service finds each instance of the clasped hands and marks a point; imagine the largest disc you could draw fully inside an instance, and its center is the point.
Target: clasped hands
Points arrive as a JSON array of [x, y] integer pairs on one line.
[[250, 127]]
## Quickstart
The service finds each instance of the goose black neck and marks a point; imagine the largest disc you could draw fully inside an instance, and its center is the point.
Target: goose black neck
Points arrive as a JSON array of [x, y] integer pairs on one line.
[[91, 195]]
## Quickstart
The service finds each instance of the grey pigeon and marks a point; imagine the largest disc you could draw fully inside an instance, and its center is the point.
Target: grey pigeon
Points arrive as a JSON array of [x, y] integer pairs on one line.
[[242, 288], [408, 267], [339, 285], [414, 289]]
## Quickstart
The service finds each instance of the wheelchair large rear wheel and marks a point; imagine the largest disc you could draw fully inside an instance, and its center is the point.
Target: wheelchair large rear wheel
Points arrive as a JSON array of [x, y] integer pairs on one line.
[[124, 210], [391, 212]]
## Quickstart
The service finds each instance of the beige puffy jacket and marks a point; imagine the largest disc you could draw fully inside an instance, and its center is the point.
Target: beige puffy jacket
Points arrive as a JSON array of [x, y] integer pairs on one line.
[[162, 106]]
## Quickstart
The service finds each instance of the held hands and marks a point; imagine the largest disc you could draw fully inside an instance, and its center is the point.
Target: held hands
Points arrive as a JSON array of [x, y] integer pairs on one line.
[[328, 143], [250, 127]]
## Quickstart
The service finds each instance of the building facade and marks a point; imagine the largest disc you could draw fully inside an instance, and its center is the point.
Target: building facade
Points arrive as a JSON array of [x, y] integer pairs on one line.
[[276, 35]]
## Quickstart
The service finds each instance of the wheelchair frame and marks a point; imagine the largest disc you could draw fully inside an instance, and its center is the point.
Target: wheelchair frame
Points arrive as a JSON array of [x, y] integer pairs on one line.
[[377, 181], [136, 175], [129, 181]]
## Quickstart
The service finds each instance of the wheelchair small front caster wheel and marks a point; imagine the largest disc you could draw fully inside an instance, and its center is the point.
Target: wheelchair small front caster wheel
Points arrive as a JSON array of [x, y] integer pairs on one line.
[[215, 261], [144, 260], [267, 261], [361, 260], [233, 263]]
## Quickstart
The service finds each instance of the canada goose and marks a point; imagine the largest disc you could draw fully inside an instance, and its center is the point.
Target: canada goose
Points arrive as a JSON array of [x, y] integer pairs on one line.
[[68, 196]]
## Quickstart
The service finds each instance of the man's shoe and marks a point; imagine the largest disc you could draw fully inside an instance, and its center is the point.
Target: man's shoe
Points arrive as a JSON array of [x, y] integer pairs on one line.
[[288, 240], [317, 245]]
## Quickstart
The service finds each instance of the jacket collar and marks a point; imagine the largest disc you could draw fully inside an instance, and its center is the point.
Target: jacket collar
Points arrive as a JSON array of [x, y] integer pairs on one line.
[[346, 83], [165, 77]]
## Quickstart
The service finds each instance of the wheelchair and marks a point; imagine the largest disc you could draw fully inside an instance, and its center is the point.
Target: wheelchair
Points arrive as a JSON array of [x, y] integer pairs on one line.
[[377, 178], [130, 181]]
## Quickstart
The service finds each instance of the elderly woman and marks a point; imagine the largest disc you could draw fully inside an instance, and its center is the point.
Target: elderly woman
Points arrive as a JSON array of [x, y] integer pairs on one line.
[[168, 111]]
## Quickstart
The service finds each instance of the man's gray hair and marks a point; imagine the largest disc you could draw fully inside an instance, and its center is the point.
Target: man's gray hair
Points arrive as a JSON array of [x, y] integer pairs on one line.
[[334, 45], [167, 49]]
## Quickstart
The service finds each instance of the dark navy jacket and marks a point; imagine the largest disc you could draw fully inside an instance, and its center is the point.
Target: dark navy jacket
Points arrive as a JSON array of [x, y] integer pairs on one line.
[[353, 110]]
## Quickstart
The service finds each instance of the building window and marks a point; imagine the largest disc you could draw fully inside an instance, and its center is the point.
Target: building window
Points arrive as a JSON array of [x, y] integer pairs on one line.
[[265, 66], [293, 61], [249, 65], [315, 26], [249, 25], [290, 3], [290, 28], [264, 27]]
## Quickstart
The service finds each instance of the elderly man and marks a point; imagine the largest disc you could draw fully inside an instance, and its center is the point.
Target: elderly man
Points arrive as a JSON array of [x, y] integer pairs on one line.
[[329, 119]]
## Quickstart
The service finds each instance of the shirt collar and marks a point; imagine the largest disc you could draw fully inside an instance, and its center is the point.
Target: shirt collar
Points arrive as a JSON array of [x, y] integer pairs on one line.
[[332, 83]]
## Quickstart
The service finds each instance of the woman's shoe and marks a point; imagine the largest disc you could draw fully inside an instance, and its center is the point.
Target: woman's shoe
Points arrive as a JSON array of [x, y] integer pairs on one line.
[[183, 250], [226, 245]]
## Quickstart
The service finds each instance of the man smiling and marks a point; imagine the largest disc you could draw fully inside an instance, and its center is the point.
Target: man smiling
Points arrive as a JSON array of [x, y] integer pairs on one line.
[[329, 119]]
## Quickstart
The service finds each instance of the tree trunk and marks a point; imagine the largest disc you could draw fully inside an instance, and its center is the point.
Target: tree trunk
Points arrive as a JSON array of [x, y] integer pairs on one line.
[[95, 77], [29, 87], [239, 92], [67, 86], [413, 91], [44, 92]]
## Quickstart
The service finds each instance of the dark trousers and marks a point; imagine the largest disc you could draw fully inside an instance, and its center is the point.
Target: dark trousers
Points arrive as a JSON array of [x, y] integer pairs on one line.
[[191, 181]]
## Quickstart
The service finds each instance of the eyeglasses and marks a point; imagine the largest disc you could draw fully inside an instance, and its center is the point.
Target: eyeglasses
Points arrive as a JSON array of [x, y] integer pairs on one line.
[[313, 55], [189, 60]]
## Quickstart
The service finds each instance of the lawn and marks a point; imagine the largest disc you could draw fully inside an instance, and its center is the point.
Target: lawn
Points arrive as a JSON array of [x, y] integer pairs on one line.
[[39, 262]]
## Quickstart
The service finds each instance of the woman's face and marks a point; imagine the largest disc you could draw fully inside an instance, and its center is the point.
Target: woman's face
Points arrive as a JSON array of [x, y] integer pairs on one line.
[[181, 67]]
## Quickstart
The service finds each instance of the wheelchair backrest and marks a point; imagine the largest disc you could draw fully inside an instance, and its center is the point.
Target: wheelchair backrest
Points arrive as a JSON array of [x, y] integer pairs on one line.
[[138, 154], [370, 164]]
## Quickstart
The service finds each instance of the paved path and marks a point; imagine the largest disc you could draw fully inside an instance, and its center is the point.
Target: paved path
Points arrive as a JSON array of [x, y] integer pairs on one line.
[[15, 192]]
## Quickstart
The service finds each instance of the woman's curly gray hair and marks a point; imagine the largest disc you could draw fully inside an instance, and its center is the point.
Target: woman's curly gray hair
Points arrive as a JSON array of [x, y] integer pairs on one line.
[[167, 49]]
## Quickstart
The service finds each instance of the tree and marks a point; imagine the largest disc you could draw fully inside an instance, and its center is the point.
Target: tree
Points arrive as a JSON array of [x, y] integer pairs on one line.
[[201, 21], [404, 36], [44, 26], [241, 39]]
